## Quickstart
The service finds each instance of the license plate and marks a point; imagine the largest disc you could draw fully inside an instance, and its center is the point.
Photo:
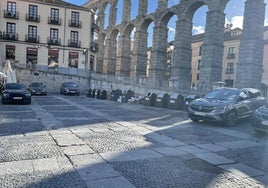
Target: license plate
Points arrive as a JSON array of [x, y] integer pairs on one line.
[[200, 113], [17, 98]]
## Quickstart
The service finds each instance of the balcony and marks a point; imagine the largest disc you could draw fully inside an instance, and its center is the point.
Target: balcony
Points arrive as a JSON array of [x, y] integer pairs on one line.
[[94, 47], [75, 23], [10, 36], [231, 56], [72, 43], [53, 41], [32, 18], [34, 39], [12, 15], [54, 21]]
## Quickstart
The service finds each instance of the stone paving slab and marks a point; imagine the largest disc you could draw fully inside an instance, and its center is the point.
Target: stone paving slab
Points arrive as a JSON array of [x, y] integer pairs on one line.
[[214, 159], [211, 147], [116, 182], [238, 144], [242, 170], [170, 151], [77, 150]]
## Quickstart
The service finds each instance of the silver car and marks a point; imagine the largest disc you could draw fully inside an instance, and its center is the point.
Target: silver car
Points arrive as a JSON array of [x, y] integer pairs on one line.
[[226, 105]]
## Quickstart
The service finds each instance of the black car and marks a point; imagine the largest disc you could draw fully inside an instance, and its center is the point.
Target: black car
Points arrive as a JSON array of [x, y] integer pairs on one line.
[[16, 93], [69, 88], [226, 105], [37, 88], [259, 120]]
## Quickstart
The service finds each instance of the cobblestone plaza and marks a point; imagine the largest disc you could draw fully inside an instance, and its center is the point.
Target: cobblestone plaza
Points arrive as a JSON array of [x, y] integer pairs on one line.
[[83, 142]]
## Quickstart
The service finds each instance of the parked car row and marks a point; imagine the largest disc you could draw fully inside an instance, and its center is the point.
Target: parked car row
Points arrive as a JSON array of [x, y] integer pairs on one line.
[[19, 93]]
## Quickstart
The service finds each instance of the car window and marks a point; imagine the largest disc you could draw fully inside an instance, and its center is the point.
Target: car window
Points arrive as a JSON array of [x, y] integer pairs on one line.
[[71, 84], [15, 86], [222, 94], [243, 95]]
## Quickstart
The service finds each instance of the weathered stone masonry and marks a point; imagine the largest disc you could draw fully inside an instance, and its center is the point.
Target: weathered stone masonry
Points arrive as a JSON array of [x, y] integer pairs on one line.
[[123, 62]]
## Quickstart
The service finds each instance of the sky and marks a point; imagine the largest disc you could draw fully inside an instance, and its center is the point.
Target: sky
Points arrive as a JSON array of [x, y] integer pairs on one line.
[[234, 14]]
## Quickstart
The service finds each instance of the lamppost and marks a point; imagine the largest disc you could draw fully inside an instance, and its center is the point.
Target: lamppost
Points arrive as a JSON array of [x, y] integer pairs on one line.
[[87, 71]]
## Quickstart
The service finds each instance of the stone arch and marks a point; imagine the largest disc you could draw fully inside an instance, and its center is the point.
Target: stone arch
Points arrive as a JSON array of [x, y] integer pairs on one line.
[[109, 63], [158, 65]]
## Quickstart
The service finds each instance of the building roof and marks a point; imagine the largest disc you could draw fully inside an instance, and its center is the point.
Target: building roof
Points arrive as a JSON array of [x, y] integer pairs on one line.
[[58, 3]]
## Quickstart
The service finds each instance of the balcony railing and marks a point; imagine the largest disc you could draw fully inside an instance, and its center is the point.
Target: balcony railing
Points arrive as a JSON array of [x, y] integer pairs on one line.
[[54, 21], [95, 27], [231, 56], [10, 36], [32, 18], [53, 41], [75, 23], [94, 47], [12, 15], [34, 39], [72, 43]]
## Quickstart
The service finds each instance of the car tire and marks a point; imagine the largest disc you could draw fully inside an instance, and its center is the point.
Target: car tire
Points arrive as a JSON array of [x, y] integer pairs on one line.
[[231, 119], [195, 120]]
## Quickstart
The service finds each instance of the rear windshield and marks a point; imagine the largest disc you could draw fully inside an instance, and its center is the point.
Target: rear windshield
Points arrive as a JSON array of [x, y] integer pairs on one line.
[[71, 84], [36, 84], [15, 86], [222, 94]]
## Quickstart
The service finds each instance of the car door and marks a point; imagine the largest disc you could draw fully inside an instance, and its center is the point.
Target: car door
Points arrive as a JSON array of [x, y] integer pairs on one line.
[[243, 106]]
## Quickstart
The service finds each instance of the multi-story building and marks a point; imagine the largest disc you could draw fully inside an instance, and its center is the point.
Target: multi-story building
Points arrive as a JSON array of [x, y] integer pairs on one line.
[[44, 34]]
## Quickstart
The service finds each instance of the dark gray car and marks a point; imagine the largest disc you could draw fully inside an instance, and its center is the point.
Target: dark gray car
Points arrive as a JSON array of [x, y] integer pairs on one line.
[[226, 105], [259, 120], [69, 88]]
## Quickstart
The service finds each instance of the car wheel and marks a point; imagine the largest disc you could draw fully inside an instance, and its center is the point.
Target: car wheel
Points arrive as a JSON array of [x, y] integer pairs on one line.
[[195, 120], [231, 119]]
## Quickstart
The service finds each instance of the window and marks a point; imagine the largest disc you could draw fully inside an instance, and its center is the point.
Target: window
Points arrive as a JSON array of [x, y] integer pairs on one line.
[[11, 28], [54, 14], [11, 7], [54, 33], [75, 19], [73, 59], [230, 68], [231, 53], [32, 31], [74, 36], [198, 64], [200, 51], [31, 58], [10, 52], [91, 63], [33, 11], [53, 58]]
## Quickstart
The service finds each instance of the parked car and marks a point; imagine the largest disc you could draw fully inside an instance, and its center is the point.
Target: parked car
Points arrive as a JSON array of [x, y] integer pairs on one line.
[[69, 88], [37, 88], [16, 93], [226, 105], [259, 119]]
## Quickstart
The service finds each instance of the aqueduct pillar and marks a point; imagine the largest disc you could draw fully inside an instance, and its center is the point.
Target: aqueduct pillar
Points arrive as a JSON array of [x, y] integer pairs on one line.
[[181, 64], [249, 69], [212, 49]]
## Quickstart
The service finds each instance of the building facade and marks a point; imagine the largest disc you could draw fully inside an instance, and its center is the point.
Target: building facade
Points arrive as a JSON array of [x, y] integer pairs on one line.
[[47, 35]]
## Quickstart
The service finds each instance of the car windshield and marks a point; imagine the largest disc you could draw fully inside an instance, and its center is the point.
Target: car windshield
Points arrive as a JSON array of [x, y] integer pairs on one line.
[[15, 86], [71, 85], [222, 94], [36, 84]]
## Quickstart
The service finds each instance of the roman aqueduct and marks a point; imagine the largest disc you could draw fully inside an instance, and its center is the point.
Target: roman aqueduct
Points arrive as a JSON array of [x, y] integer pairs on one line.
[[126, 59]]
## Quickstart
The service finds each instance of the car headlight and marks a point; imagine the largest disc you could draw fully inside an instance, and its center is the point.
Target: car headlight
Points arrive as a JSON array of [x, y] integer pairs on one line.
[[27, 94], [220, 109], [5, 95]]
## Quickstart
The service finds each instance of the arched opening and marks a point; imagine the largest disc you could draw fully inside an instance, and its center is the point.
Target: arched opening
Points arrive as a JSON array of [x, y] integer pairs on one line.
[[198, 29], [134, 9], [152, 6], [107, 15], [119, 12], [173, 2]]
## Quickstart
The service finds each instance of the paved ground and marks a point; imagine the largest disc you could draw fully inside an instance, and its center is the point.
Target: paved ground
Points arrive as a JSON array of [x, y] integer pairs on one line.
[[68, 141]]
